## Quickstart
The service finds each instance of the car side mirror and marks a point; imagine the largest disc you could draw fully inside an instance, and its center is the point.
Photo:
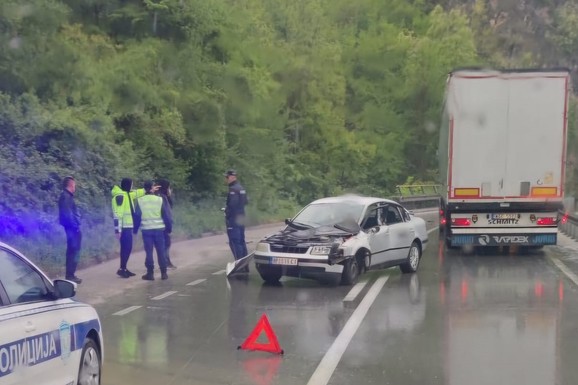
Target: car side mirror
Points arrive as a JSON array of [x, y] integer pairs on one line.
[[64, 289]]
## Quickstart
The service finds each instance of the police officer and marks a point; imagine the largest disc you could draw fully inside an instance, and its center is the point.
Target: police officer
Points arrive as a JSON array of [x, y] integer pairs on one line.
[[166, 193], [123, 209], [235, 215], [154, 218], [69, 218]]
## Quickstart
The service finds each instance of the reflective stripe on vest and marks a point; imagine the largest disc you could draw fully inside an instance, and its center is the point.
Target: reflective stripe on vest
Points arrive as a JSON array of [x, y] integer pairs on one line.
[[151, 212]]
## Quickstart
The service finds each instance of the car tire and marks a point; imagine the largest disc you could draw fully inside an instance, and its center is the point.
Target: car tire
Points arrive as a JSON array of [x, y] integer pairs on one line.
[[350, 273], [90, 364], [270, 275], [413, 258]]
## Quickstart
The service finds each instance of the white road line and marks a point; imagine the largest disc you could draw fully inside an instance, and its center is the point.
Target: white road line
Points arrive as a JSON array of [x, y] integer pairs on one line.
[[432, 230], [165, 295], [354, 292], [127, 310], [196, 282], [327, 366], [219, 272], [573, 277]]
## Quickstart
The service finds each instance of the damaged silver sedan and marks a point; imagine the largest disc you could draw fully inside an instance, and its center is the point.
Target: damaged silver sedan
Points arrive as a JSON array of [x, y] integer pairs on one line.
[[336, 239]]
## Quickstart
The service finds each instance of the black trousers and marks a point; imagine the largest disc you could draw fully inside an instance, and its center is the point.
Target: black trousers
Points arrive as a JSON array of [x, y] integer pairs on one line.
[[125, 246], [73, 242], [156, 239]]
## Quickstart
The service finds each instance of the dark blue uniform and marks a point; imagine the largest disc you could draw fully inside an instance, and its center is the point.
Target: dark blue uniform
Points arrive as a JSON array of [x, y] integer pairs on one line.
[[235, 217]]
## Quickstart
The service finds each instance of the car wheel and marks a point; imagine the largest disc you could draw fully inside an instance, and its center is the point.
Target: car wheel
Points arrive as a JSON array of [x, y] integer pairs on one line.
[[413, 258], [90, 364], [270, 275], [350, 273]]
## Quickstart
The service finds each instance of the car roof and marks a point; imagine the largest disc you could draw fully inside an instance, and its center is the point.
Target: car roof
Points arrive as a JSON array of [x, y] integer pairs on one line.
[[366, 201]]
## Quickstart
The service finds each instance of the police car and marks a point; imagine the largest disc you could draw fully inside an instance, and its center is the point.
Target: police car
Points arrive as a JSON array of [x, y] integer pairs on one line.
[[46, 337]]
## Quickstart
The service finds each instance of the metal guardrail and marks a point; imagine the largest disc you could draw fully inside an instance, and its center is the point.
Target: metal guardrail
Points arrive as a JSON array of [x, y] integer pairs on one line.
[[570, 228], [418, 202]]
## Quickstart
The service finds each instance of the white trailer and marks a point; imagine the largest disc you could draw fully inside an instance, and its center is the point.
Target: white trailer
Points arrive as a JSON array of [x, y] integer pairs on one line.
[[502, 156]]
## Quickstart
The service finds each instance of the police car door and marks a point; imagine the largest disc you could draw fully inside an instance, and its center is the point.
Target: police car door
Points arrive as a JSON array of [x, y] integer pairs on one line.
[[30, 339]]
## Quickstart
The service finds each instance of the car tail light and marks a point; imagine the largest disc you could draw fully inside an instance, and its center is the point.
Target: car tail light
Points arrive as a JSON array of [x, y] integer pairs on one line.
[[461, 222], [564, 218], [546, 221]]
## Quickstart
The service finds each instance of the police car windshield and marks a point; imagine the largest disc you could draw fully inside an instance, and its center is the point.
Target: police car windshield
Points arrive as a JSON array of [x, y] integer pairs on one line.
[[329, 214]]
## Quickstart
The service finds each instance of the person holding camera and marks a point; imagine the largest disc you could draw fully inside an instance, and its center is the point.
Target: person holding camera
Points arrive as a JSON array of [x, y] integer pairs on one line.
[[123, 211]]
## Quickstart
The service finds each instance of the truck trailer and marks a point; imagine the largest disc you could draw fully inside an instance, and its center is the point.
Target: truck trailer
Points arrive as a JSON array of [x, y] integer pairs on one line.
[[503, 156]]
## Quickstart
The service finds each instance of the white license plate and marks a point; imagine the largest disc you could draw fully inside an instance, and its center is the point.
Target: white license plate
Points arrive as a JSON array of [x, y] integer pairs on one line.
[[505, 216], [284, 261]]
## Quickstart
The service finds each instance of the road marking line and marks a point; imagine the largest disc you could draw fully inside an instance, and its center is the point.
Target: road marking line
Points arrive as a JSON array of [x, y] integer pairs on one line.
[[196, 282], [354, 292], [219, 272], [127, 310], [432, 230], [327, 366], [165, 295], [573, 277]]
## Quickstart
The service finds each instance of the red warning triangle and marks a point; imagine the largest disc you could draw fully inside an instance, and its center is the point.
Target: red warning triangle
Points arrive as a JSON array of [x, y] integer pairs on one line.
[[251, 341]]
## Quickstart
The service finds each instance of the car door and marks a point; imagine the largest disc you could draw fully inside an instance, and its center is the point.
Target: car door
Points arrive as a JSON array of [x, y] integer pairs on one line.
[[378, 238], [32, 341], [400, 232]]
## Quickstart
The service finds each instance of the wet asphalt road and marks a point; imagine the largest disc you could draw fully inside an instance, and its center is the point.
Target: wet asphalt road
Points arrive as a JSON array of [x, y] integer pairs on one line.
[[463, 319]]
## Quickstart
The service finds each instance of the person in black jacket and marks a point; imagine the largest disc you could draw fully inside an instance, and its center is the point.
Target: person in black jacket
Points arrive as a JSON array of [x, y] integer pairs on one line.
[[166, 193], [70, 219], [235, 215]]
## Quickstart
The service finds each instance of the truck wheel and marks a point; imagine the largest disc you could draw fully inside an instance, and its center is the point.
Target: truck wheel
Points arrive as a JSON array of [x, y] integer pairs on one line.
[[270, 275], [413, 257], [350, 273]]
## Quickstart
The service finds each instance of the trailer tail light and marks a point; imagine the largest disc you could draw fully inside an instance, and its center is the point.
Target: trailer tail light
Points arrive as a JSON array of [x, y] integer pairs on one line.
[[461, 222], [544, 191], [442, 217], [546, 221]]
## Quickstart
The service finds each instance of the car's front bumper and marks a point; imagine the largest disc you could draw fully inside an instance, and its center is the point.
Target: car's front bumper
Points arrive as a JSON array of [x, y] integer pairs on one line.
[[306, 266]]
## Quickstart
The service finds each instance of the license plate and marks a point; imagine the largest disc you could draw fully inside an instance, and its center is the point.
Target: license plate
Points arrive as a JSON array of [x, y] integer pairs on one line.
[[284, 261], [505, 216]]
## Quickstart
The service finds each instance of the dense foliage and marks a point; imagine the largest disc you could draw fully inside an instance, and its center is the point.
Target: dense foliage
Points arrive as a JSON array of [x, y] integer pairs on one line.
[[305, 98]]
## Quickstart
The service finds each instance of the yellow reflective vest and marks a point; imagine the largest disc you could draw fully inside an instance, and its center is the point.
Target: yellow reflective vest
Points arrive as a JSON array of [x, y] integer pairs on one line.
[[151, 212], [121, 207]]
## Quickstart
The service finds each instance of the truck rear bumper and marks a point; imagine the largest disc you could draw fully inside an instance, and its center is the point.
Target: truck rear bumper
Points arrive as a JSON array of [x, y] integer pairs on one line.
[[502, 238]]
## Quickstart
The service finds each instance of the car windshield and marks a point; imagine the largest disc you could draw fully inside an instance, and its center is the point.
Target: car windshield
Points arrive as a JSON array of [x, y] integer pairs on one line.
[[329, 214]]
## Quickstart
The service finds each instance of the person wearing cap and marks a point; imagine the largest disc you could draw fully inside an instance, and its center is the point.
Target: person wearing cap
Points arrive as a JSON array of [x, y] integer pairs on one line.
[[154, 218], [235, 215], [69, 218], [123, 209], [166, 193]]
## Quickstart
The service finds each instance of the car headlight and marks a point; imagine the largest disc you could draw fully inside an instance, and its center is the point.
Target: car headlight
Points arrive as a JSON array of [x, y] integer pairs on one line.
[[321, 250], [263, 247]]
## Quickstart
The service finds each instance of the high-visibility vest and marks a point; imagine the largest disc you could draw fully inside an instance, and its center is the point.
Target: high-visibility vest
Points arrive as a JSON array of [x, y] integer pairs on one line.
[[122, 213], [151, 212]]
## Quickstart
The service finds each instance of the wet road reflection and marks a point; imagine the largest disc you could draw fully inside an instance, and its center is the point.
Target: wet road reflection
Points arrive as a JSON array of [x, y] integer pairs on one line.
[[463, 319]]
